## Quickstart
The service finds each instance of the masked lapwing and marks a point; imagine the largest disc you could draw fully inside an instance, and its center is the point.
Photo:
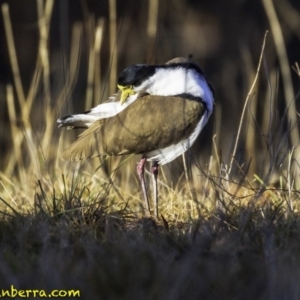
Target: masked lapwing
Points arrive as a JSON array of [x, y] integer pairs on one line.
[[158, 112]]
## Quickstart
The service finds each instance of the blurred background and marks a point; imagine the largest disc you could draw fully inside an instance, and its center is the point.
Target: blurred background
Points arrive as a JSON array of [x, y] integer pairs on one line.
[[62, 57]]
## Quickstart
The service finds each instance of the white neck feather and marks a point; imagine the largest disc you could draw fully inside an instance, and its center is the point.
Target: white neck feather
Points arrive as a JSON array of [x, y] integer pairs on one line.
[[171, 82]]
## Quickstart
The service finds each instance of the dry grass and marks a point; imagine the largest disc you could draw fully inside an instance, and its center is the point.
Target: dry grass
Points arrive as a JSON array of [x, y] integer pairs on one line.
[[228, 230]]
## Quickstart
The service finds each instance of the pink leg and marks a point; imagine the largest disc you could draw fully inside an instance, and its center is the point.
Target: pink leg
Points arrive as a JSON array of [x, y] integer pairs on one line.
[[140, 170], [155, 191]]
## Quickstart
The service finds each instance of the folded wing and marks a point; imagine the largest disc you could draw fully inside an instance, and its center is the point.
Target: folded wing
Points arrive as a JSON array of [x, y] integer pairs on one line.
[[152, 123]]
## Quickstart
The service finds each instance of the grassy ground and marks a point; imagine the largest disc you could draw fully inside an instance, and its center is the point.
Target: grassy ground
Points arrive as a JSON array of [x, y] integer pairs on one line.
[[228, 228], [234, 252]]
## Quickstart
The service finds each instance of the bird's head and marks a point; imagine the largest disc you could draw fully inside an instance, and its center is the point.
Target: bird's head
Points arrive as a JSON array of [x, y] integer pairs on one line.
[[131, 80]]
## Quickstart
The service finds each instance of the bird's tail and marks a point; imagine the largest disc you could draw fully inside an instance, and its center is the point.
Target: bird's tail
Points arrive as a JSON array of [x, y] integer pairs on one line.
[[83, 120], [102, 111]]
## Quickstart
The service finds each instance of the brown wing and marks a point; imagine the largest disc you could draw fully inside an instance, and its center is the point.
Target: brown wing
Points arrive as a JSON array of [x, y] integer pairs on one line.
[[152, 122]]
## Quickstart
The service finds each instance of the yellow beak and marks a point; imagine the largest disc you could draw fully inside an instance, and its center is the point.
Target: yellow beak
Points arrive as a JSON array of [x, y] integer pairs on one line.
[[126, 92]]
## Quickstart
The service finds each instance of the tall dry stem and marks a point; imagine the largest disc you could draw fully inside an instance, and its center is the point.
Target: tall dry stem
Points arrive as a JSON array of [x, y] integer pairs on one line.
[[245, 105], [286, 77], [113, 46]]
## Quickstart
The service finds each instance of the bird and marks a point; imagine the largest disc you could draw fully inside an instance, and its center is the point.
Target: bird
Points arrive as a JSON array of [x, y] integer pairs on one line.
[[157, 112]]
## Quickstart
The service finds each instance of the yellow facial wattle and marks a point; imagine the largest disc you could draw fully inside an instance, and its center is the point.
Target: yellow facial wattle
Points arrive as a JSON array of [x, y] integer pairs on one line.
[[126, 92]]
